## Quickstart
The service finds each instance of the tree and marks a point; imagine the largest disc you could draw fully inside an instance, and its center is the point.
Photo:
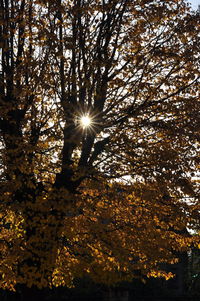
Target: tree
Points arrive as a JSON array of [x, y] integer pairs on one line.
[[107, 198]]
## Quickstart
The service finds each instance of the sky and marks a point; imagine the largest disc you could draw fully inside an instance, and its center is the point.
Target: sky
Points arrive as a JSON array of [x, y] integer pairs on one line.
[[194, 3]]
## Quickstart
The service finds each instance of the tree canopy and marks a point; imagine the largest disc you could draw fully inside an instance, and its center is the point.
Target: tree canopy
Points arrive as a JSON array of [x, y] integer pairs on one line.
[[114, 198]]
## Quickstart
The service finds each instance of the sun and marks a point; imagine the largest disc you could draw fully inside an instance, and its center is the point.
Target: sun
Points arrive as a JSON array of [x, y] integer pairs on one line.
[[85, 121]]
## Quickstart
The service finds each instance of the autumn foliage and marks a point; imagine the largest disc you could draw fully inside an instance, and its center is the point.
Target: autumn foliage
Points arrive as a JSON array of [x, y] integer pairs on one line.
[[112, 200]]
